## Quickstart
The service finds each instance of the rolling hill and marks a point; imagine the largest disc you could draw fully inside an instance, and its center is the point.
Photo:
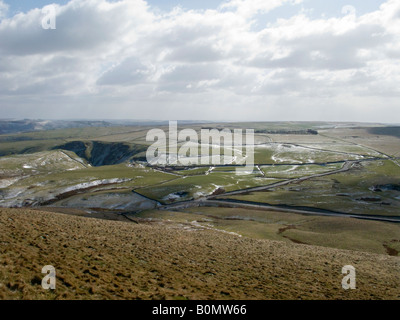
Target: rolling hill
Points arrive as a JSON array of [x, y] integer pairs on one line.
[[102, 259]]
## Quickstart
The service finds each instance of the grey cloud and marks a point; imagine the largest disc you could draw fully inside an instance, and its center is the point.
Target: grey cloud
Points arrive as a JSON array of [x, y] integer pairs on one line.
[[303, 58], [131, 63], [192, 73], [130, 72], [336, 51], [3, 9], [194, 53], [289, 82], [177, 35], [58, 84], [80, 26], [184, 78], [60, 65], [42, 75]]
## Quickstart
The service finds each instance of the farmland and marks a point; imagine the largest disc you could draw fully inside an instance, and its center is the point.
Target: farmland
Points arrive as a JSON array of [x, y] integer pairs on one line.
[[338, 189]]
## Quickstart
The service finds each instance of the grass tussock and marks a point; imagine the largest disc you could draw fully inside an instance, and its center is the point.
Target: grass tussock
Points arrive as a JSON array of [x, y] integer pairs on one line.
[[100, 259]]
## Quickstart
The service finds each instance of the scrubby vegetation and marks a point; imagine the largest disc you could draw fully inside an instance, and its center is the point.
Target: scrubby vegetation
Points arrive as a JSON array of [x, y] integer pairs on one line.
[[100, 259]]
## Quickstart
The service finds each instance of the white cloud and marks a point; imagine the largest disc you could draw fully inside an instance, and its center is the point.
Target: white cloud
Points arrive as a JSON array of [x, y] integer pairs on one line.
[[124, 60], [3, 9], [249, 8]]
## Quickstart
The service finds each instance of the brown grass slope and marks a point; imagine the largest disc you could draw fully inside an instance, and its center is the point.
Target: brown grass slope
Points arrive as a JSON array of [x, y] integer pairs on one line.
[[99, 259]]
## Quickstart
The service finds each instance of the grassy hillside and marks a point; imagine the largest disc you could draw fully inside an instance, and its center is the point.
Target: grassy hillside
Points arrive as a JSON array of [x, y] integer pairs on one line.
[[100, 259], [333, 232]]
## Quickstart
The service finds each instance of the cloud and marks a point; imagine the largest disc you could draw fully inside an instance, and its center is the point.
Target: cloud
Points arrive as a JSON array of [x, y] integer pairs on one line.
[[324, 50], [3, 9], [249, 8], [129, 72], [81, 26], [194, 53], [124, 59]]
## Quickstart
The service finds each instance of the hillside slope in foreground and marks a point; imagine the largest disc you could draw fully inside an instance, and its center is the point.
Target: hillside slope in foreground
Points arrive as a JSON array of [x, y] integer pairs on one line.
[[100, 259]]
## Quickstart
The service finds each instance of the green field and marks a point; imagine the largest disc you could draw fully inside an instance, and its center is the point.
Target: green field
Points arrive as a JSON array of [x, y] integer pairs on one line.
[[296, 171], [202, 185], [105, 168], [349, 192]]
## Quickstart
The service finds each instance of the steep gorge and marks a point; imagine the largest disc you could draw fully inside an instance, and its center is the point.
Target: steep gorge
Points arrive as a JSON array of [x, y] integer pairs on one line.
[[99, 153]]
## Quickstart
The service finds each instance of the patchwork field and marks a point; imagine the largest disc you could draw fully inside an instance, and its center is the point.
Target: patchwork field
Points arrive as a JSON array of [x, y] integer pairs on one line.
[[371, 188], [310, 190]]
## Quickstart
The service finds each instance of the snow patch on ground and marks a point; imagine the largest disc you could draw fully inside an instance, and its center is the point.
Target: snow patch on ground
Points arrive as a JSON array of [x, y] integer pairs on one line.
[[211, 227], [4, 183], [112, 200], [94, 183]]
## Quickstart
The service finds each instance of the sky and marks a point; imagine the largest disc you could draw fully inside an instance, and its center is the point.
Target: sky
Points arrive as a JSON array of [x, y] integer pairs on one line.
[[231, 60]]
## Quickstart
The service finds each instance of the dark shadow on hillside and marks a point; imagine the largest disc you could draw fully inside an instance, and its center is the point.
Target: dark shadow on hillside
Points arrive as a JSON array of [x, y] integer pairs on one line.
[[385, 131], [102, 153]]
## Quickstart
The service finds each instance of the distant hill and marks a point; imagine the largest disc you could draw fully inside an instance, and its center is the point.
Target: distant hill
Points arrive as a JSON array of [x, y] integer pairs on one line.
[[8, 126], [16, 126], [386, 131]]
